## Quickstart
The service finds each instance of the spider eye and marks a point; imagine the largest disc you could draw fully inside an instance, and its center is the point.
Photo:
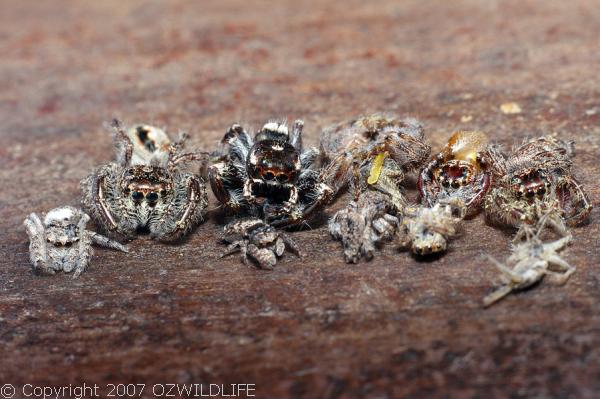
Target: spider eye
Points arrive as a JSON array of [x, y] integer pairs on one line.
[[152, 197], [268, 176], [137, 195], [282, 178]]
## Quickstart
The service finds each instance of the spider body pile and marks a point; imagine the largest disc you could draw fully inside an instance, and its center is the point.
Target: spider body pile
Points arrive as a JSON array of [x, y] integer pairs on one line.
[[370, 154], [60, 241], [146, 189]]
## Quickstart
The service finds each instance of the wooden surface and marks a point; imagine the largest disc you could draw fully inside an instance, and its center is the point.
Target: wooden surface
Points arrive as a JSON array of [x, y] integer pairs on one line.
[[314, 327]]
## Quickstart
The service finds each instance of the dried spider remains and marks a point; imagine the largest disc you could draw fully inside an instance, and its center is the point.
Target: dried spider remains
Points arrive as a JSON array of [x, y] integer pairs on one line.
[[459, 171], [536, 175], [61, 242], [426, 231], [270, 176], [370, 154], [257, 241], [147, 188], [530, 261], [364, 225]]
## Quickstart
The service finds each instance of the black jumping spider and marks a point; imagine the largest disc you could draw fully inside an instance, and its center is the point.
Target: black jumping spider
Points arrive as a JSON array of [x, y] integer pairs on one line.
[[270, 177]]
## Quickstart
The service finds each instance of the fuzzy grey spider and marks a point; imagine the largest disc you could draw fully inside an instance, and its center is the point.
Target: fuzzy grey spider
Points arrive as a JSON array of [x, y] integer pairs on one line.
[[530, 260], [60, 242], [257, 241], [270, 177], [147, 188]]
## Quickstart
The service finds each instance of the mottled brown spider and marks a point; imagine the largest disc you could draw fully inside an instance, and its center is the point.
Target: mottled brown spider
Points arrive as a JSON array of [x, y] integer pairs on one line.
[[147, 188], [537, 175]]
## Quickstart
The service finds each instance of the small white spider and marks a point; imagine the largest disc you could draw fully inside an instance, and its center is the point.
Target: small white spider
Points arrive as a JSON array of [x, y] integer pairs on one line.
[[61, 241]]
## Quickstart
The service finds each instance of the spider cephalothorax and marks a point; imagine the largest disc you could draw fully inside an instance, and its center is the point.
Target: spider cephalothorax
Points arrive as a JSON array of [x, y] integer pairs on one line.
[[458, 171], [536, 176], [60, 241], [146, 189], [270, 176]]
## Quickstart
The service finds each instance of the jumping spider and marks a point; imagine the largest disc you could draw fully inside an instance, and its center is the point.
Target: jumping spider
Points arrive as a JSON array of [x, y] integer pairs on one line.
[[61, 242], [536, 175], [530, 260], [146, 189], [270, 177], [426, 231], [370, 154], [257, 241], [459, 171]]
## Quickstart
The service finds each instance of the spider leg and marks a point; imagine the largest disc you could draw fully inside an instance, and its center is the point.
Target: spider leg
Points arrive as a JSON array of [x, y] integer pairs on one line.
[[103, 241], [38, 253], [574, 201], [122, 142], [497, 295], [514, 277]]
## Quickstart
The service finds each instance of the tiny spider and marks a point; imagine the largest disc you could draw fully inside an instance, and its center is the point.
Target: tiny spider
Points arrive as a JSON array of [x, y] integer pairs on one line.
[[370, 155], [146, 189], [270, 176], [364, 225], [537, 174], [458, 171], [257, 241], [530, 261], [426, 231], [61, 241]]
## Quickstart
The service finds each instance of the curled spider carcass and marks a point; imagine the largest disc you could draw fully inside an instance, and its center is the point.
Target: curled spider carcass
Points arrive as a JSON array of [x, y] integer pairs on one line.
[[459, 171], [530, 260], [427, 230], [59, 241], [270, 176], [537, 175], [364, 225], [257, 241], [147, 188]]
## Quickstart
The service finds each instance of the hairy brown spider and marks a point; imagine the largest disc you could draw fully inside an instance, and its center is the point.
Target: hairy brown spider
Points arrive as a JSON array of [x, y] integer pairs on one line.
[[459, 171], [60, 241], [257, 241], [530, 260], [146, 189], [270, 177], [370, 154], [537, 175]]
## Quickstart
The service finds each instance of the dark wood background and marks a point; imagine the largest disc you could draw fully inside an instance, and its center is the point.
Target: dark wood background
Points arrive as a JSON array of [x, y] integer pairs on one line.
[[314, 327]]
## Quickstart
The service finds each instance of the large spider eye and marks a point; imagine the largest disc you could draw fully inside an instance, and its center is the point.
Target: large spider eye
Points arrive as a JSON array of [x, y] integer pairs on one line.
[[282, 178], [137, 195], [268, 176], [152, 197]]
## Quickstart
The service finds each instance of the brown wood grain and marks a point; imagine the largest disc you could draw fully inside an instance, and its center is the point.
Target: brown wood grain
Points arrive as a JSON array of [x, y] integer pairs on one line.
[[313, 327]]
